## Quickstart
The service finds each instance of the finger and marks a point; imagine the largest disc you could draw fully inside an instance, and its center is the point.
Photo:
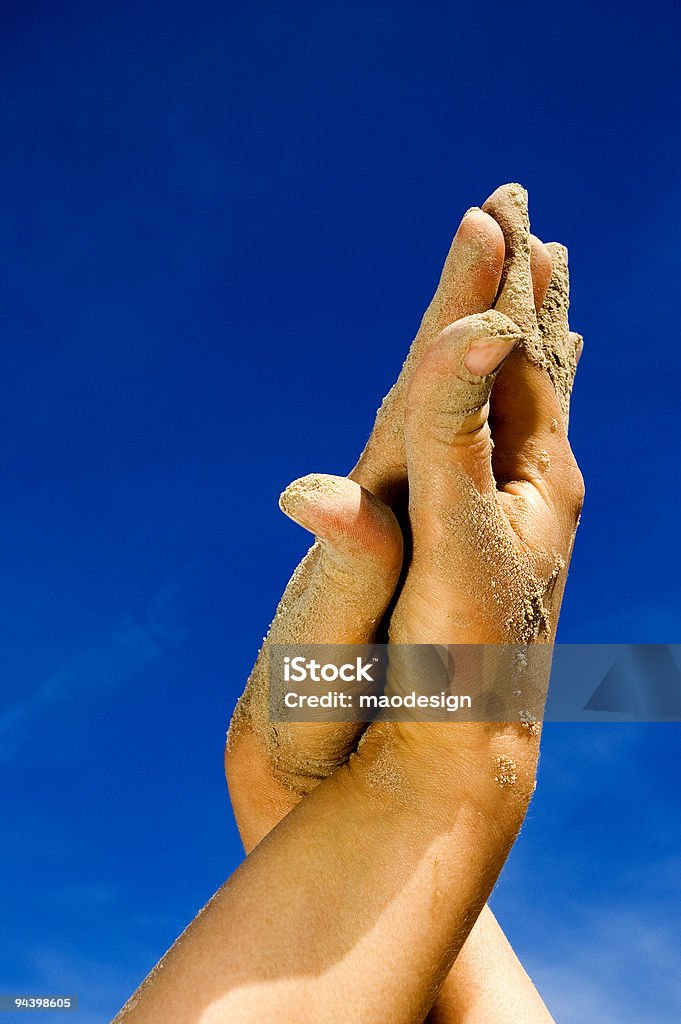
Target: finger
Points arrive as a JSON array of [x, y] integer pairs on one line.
[[526, 409], [508, 206], [557, 353], [577, 342], [353, 527], [337, 595], [470, 276], [540, 270], [468, 284], [530, 405], [530, 281], [446, 429]]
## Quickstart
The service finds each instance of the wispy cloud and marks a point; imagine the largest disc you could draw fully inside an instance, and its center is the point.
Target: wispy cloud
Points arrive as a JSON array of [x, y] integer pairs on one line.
[[613, 968], [591, 905], [129, 648], [98, 984]]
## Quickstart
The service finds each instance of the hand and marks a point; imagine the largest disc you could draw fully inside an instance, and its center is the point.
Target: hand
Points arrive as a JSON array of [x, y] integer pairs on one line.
[[493, 523], [342, 588]]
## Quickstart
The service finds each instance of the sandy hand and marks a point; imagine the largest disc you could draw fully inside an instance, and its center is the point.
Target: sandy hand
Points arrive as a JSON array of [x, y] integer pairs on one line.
[[340, 591], [493, 526]]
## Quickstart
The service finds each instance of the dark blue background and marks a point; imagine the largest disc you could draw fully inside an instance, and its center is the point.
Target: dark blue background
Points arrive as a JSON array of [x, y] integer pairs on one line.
[[220, 226]]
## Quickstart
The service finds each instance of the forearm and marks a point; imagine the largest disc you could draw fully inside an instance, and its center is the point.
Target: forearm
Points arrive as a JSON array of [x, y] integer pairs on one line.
[[487, 983], [378, 877]]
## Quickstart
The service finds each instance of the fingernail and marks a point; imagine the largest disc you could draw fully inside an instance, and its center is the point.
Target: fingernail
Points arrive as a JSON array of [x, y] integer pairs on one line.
[[486, 355]]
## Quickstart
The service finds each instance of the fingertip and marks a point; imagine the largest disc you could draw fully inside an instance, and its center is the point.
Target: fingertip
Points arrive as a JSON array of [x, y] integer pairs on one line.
[[507, 196], [317, 501], [346, 516], [508, 205], [577, 342], [308, 493], [471, 273], [558, 253], [480, 226]]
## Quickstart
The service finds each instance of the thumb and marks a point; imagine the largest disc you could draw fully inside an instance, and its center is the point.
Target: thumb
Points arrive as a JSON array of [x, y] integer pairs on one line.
[[446, 430], [337, 595], [360, 547]]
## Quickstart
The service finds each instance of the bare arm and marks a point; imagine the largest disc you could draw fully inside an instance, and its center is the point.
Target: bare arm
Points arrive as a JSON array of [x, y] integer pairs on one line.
[[355, 906]]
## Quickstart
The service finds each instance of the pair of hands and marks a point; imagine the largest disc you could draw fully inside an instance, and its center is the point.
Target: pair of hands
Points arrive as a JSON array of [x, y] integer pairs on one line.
[[482, 482], [490, 524], [367, 901]]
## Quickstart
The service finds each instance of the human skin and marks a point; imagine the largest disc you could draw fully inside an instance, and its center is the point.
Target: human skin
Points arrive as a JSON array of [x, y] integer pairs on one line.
[[342, 588], [487, 977], [373, 948]]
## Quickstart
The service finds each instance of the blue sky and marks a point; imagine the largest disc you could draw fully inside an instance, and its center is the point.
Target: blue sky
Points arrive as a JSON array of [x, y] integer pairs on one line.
[[220, 226]]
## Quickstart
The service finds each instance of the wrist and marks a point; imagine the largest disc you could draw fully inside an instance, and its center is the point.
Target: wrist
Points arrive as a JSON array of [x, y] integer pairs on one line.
[[441, 771]]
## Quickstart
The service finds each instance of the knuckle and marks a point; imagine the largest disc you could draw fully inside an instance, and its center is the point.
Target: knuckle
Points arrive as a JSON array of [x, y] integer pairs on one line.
[[570, 489], [575, 490], [452, 423], [451, 426]]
